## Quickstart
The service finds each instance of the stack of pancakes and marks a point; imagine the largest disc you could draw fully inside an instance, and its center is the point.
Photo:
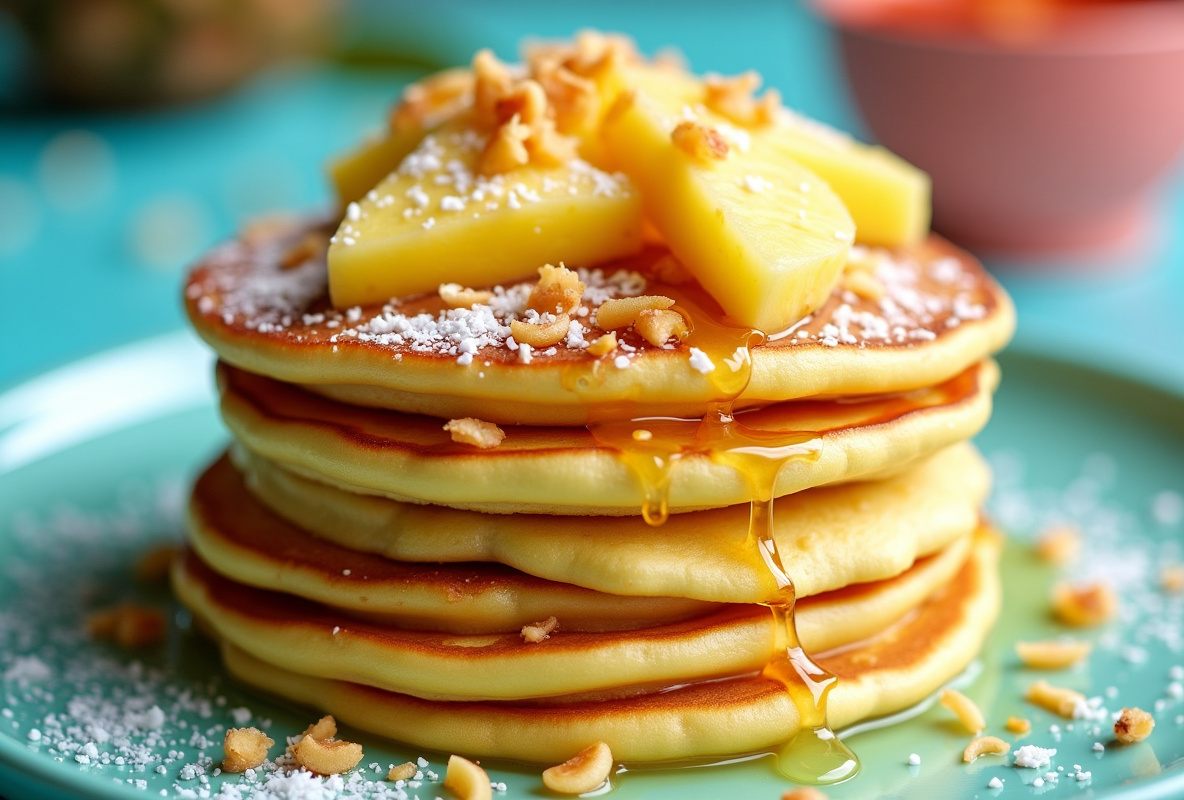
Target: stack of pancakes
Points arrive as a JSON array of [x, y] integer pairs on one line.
[[511, 601]]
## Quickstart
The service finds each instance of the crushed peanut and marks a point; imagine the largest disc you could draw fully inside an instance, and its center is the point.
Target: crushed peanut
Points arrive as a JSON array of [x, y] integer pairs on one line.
[[310, 246], [574, 98], [542, 334], [1083, 606], [127, 625], [492, 80], [429, 101], [699, 141], [803, 793], [1133, 725], [603, 345], [506, 150], [863, 284], [1054, 698], [323, 728], [1018, 725], [456, 296], [467, 780], [477, 432], [584, 772], [967, 712], [327, 756], [622, 312], [533, 634], [525, 100], [245, 748], [558, 291], [735, 99], [985, 745], [1053, 654], [659, 325], [402, 772], [1171, 579], [1059, 544], [153, 565]]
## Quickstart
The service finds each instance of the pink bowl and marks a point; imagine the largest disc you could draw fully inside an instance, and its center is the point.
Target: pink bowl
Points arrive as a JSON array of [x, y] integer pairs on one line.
[[1046, 146]]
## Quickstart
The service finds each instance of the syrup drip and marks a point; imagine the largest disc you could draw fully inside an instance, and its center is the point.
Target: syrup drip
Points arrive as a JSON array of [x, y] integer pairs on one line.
[[651, 446]]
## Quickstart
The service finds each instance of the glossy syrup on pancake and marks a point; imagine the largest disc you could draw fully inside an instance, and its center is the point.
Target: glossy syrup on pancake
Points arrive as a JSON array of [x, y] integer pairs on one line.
[[651, 445]]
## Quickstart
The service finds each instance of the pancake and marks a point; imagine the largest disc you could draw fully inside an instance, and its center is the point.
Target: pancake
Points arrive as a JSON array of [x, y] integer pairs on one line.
[[941, 314], [568, 471], [828, 537], [318, 640], [893, 671], [242, 540]]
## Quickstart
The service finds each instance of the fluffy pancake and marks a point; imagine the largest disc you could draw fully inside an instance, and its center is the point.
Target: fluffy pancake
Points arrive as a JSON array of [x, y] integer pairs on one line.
[[242, 540], [828, 537], [733, 639], [940, 314], [894, 670], [568, 471]]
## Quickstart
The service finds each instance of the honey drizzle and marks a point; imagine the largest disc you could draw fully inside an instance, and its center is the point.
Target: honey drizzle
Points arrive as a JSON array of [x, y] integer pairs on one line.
[[650, 446]]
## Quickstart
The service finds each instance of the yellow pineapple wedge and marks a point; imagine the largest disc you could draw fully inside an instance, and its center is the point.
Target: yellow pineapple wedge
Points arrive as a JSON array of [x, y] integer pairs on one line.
[[888, 198], [356, 172], [436, 220], [424, 106], [763, 235]]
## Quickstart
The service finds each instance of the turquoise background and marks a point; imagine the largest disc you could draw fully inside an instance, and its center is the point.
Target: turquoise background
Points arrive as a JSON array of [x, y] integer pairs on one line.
[[74, 281]]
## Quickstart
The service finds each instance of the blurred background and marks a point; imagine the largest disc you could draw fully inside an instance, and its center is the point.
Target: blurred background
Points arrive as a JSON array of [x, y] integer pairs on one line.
[[134, 134]]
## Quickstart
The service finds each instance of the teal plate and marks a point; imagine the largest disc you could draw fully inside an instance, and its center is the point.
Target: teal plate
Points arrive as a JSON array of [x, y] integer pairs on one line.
[[95, 458]]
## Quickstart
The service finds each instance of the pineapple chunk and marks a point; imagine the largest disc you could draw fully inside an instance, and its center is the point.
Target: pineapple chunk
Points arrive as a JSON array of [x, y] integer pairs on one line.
[[763, 235], [356, 172], [436, 220], [888, 198]]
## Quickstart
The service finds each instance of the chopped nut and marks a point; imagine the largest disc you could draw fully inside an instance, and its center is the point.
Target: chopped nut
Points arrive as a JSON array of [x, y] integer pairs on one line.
[[968, 713], [127, 625], [622, 312], [467, 780], [492, 81], [323, 728], [1171, 578], [506, 150], [699, 141], [735, 99], [1054, 654], [603, 345], [1083, 606], [558, 291], [573, 98], [547, 146], [476, 432], [327, 756], [659, 325], [803, 793], [1058, 544], [403, 772], [435, 97], [533, 634], [585, 771], [456, 296], [1054, 698], [154, 564], [864, 284], [1018, 725], [311, 245], [542, 334], [1133, 725], [246, 748], [985, 745]]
